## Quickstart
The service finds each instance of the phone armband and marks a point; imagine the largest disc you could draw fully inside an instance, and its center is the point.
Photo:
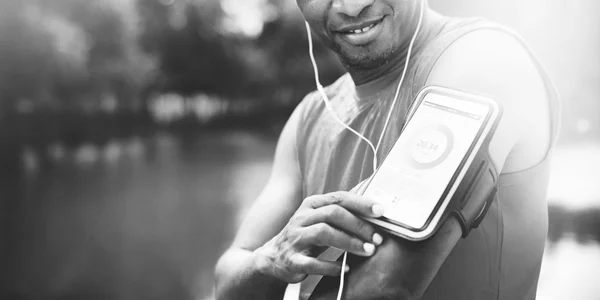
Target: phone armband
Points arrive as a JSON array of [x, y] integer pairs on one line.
[[440, 165], [476, 191]]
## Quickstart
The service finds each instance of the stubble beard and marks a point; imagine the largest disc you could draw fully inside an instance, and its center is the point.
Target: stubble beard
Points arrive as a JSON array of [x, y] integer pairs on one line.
[[365, 60]]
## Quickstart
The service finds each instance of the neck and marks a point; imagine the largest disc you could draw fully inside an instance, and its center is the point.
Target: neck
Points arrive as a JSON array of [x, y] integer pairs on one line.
[[361, 76]]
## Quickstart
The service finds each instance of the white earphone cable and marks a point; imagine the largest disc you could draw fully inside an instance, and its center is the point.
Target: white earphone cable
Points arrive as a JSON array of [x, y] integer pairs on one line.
[[328, 105], [326, 99], [408, 54]]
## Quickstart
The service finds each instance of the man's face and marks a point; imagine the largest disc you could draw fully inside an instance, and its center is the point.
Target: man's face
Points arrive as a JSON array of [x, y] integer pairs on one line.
[[364, 33]]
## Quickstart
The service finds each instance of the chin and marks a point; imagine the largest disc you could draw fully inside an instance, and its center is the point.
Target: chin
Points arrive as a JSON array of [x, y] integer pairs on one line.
[[367, 60], [364, 57]]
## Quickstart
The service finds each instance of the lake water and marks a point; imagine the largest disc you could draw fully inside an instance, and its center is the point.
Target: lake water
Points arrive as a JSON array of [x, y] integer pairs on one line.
[[147, 219]]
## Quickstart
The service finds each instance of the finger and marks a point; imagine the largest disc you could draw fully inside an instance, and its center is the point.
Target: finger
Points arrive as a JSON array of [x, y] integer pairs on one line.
[[344, 220], [314, 266], [324, 235], [357, 204]]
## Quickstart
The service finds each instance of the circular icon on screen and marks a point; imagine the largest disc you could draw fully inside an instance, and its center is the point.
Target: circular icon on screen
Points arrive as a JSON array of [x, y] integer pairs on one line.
[[430, 146]]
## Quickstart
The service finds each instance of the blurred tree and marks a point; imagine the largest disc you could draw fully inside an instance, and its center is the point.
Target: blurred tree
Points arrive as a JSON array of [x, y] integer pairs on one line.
[[284, 39], [116, 66], [28, 62], [70, 71], [66, 51], [200, 49], [193, 55]]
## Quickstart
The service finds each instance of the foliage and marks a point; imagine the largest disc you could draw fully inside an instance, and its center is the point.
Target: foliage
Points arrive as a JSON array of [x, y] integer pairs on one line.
[[68, 53], [193, 56], [198, 54]]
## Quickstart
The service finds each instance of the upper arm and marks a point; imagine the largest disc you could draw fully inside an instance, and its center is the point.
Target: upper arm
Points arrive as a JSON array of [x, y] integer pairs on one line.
[[495, 64], [486, 63], [281, 195]]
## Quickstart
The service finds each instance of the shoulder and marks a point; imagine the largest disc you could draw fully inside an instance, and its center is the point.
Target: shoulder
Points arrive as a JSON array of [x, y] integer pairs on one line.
[[489, 61], [497, 63], [308, 112], [333, 91], [313, 105]]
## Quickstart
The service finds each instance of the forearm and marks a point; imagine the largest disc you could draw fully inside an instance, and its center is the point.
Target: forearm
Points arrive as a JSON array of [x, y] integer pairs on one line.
[[399, 269], [239, 275]]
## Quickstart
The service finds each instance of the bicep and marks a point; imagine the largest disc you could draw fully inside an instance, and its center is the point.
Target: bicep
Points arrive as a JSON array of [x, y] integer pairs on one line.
[[280, 197]]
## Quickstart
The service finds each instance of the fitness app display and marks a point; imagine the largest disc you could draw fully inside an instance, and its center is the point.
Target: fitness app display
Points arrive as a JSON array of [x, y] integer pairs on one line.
[[418, 169]]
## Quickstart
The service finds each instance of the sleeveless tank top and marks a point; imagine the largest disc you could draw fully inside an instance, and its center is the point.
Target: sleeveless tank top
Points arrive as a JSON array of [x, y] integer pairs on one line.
[[500, 259]]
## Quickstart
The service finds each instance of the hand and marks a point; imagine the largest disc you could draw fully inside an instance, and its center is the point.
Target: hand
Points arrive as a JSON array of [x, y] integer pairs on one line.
[[321, 221]]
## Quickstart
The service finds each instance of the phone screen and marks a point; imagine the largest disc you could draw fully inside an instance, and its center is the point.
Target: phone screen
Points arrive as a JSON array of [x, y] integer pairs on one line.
[[411, 181]]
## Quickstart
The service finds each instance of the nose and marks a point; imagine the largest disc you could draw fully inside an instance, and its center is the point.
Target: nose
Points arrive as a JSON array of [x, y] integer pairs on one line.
[[351, 8]]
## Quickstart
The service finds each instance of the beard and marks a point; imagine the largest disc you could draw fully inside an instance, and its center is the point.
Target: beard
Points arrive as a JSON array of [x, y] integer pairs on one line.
[[366, 59]]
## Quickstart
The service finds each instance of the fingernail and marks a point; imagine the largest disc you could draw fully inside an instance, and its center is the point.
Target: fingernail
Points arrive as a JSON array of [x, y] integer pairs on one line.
[[369, 248], [346, 269], [378, 210], [377, 239]]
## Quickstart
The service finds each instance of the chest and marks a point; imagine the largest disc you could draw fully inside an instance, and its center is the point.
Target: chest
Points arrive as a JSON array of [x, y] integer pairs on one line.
[[334, 158]]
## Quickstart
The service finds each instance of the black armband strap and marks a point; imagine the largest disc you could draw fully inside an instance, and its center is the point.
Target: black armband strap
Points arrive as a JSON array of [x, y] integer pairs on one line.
[[475, 194], [477, 190]]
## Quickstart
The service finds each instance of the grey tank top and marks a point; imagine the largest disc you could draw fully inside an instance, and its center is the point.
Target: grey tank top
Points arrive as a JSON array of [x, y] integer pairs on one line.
[[499, 260]]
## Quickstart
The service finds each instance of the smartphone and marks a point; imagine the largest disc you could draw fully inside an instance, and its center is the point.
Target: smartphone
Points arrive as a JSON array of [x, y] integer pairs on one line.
[[434, 153]]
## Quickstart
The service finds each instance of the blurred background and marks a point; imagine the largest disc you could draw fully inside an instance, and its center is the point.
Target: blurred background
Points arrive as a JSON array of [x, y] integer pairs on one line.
[[134, 134]]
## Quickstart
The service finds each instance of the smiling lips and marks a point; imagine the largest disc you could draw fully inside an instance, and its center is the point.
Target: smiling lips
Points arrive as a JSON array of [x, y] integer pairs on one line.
[[361, 34], [361, 30]]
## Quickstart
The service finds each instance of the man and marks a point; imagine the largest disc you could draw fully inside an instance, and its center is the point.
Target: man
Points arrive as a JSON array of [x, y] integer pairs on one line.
[[304, 209]]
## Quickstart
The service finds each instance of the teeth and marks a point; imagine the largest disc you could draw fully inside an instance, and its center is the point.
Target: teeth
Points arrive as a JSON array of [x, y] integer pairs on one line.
[[362, 30]]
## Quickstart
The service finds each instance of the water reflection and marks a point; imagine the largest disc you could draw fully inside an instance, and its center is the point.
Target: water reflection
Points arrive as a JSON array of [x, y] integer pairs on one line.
[[570, 271], [581, 224], [135, 219], [147, 219]]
